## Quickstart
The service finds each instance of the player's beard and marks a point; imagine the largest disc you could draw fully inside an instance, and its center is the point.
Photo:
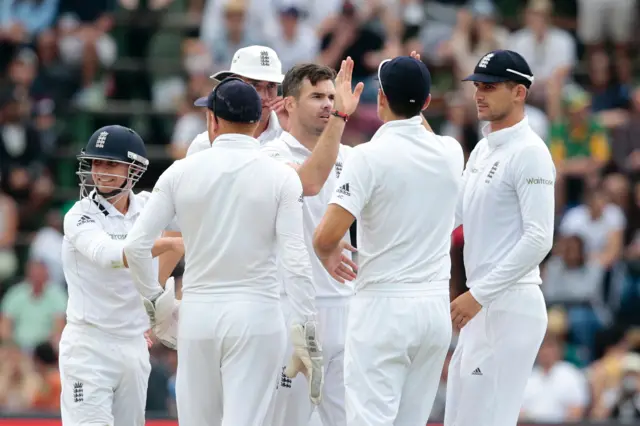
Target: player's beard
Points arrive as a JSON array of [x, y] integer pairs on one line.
[[496, 116]]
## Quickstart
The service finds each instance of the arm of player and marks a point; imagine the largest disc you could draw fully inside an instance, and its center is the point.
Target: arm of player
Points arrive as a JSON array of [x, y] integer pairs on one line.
[[307, 351], [534, 180], [354, 189], [170, 259], [316, 169], [293, 253], [155, 217]]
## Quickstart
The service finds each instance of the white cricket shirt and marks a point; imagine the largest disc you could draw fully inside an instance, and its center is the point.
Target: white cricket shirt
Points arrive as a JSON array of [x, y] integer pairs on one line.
[[102, 293], [273, 131], [402, 188], [236, 208], [507, 210], [289, 150]]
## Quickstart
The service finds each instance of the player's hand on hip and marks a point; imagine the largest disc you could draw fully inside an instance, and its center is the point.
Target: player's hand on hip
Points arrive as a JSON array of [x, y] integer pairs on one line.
[[307, 358], [339, 265], [163, 315], [148, 339], [463, 309], [347, 97]]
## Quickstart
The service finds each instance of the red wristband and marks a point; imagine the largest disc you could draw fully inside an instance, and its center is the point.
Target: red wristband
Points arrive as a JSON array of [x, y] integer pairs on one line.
[[342, 115]]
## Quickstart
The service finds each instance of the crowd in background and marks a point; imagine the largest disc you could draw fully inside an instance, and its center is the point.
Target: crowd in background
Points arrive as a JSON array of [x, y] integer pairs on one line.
[[66, 63]]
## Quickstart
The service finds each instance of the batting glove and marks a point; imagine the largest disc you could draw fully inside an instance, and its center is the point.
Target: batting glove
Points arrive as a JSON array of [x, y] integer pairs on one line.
[[307, 358], [163, 315]]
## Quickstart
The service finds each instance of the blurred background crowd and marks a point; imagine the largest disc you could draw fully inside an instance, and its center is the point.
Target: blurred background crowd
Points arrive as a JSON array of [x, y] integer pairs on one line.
[[68, 67]]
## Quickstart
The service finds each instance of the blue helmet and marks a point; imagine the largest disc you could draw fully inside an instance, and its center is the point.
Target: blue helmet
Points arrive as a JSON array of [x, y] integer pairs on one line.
[[113, 144]]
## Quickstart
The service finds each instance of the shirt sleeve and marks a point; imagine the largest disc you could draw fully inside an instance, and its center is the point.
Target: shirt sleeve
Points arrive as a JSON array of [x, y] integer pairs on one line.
[[88, 237], [155, 217], [533, 177], [292, 251], [355, 185]]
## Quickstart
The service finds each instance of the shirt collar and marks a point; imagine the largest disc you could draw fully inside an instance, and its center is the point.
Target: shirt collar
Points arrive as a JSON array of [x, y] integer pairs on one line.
[[294, 143], [500, 137], [395, 125], [109, 210], [235, 140], [273, 127]]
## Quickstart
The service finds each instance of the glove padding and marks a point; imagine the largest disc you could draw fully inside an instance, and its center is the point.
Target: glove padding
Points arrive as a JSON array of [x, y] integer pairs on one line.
[[307, 358], [163, 315]]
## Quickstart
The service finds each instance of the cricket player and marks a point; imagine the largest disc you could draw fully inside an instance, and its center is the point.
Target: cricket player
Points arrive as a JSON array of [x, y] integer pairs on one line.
[[236, 208], [104, 359], [313, 148], [260, 67], [402, 189], [507, 209]]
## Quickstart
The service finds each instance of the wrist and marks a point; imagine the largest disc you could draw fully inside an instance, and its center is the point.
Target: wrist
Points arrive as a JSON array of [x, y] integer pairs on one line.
[[340, 114]]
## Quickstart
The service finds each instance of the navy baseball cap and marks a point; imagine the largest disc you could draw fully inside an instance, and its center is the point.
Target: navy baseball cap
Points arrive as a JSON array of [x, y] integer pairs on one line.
[[233, 100], [405, 80], [499, 66]]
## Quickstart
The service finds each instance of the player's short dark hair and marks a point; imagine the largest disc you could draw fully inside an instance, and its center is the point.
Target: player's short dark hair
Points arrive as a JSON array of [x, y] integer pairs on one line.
[[404, 109], [294, 78]]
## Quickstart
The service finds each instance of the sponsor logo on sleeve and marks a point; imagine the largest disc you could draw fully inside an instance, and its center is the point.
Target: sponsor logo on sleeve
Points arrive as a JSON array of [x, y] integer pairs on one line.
[[539, 181]]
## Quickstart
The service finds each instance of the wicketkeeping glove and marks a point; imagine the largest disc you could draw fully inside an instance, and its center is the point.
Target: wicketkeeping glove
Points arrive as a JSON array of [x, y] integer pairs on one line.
[[307, 358], [163, 315]]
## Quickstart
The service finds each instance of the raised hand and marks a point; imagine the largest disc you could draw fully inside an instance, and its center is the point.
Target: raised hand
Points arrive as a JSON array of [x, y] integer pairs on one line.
[[347, 99]]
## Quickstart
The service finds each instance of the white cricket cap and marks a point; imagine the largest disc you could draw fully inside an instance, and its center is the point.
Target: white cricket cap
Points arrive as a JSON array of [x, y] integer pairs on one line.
[[259, 63]]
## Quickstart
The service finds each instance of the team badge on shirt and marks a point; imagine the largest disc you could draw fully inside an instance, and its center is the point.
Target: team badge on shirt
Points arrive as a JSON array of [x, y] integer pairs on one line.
[[338, 168]]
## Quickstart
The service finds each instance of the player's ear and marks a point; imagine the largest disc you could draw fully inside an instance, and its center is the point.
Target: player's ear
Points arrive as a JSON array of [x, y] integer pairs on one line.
[[426, 103], [289, 103]]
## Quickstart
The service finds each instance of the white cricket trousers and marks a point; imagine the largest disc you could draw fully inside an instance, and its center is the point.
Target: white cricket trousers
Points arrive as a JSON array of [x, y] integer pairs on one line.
[[227, 355], [104, 377], [394, 353], [494, 358], [293, 407]]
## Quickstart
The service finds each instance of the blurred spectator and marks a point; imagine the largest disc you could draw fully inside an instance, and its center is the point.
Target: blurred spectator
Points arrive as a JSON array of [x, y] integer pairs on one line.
[[31, 16], [8, 234], [235, 35], [626, 408], [47, 246], [191, 123], [574, 281], [557, 391], [33, 311], [85, 41], [23, 69], [475, 34], [21, 159], [47, 396], [295, 41], [19, 381], [605, 374], [550, 51], [351, 36], [459, 122], [630, 294], [55, 79], [436, 29], [258, 20], [599, 20], [578, 142], [626, 144], [600, 224], [607, 93]]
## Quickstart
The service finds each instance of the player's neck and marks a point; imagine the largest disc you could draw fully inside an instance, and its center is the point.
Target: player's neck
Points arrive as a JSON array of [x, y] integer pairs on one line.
[[262, 127], [509, 121], [121, 202], [305, 138]]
